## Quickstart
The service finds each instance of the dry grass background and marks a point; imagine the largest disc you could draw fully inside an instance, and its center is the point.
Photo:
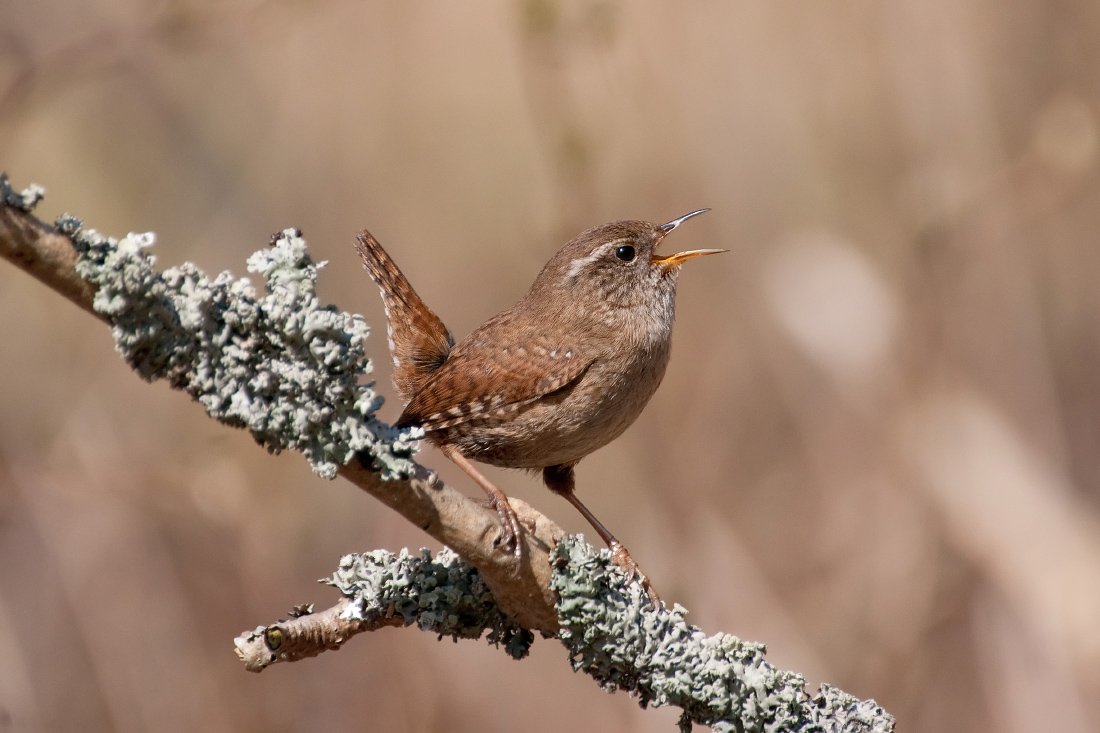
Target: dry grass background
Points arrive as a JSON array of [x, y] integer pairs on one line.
[[877, 447]]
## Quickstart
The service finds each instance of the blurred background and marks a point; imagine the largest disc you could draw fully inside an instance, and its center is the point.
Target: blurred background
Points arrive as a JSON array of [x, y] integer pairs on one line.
[[877, 446]]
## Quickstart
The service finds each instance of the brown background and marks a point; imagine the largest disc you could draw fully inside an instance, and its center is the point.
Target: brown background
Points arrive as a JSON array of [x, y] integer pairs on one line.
[[877, 447]]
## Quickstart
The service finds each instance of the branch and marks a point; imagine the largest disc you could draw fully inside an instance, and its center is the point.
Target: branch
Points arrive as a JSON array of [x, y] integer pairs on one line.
[[444, 595], [287, 369], [612, 631]]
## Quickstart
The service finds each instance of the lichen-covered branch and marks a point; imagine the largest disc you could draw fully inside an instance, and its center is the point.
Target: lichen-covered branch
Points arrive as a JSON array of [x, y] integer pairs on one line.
[[610, 629], [287, 369], [615, 635], [443, 595], [37, 247], [279, 365]]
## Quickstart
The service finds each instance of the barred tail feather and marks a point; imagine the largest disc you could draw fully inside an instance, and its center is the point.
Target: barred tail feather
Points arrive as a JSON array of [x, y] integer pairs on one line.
[[418, 340]]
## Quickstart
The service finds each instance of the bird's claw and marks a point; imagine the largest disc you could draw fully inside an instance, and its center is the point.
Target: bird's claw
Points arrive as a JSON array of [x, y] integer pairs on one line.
[[621, 557], [510, 534]]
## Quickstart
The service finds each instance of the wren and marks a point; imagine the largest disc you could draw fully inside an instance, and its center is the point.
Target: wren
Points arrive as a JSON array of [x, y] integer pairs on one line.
[[544, 383]]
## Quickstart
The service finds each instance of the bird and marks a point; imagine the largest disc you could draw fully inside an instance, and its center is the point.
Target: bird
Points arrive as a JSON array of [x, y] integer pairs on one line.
[[546, 382]]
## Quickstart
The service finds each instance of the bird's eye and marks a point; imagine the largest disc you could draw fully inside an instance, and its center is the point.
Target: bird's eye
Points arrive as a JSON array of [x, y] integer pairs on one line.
[[625, 253]]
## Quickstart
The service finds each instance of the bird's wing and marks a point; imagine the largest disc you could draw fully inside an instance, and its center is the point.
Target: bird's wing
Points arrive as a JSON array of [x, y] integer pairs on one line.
[[493, 380], [419, 342]]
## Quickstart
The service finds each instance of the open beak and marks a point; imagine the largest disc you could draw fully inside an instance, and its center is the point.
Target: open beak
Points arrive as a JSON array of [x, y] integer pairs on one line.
[[668, 262], [666, 228]]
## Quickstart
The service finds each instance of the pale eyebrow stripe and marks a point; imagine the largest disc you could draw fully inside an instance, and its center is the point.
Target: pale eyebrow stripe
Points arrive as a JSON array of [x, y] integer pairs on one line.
[[578, 264]]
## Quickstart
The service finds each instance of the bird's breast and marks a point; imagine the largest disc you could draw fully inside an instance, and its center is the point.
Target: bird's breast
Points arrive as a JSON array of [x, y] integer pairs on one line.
[[565, 426]]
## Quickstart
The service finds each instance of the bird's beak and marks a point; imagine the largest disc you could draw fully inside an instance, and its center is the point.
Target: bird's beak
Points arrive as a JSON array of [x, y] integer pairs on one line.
[[670, 261], [667, 262], [666, 228]]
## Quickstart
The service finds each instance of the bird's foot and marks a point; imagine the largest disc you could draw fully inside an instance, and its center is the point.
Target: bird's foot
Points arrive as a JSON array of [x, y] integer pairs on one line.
[[621, 557], [510, 535]]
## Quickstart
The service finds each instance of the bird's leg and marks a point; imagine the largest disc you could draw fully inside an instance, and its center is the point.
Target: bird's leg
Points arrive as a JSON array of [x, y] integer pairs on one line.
[[498, 500], [560, 480]]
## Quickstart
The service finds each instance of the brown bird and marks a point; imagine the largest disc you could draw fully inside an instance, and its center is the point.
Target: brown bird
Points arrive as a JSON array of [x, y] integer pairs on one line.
[[544, 383]]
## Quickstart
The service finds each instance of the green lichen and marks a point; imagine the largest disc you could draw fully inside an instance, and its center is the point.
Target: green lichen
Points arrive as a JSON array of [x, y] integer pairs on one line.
[[615, 635], [444, 595], [280, 365]]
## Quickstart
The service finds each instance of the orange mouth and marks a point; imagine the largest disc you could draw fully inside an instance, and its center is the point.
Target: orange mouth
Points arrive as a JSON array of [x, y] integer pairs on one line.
[[667, 262]]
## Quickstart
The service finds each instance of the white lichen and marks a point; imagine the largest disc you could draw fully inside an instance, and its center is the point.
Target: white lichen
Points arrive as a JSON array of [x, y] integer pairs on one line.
[[615, 635], [281, 365], [443, 595], [24, 200]]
